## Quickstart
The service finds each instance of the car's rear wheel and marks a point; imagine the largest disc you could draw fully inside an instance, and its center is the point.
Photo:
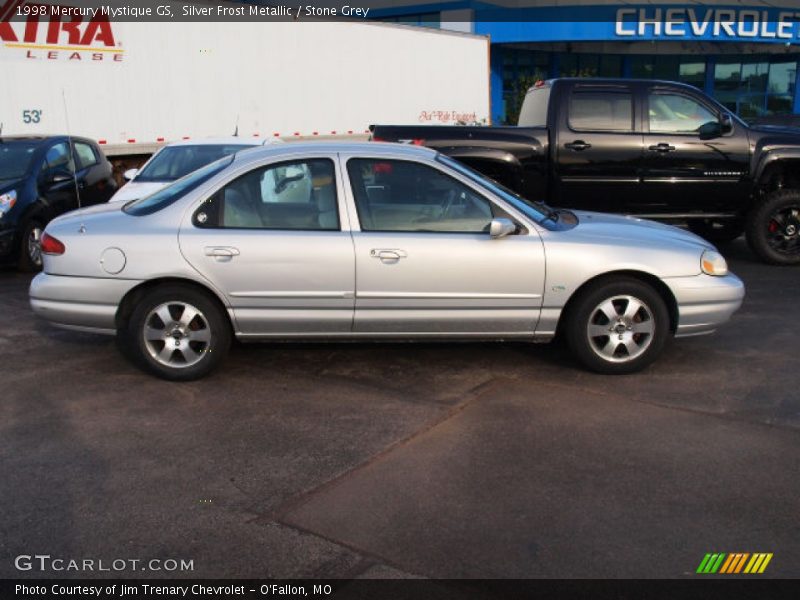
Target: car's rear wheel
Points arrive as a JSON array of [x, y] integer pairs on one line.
[[617, 326], [773, 228], [178, 333], [30, 247], [718, 231]]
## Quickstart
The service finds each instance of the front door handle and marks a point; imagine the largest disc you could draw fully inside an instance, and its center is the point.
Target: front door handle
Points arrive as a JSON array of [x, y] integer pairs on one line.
[[221, 253], [578, 146], [388, 255], [663, 148]]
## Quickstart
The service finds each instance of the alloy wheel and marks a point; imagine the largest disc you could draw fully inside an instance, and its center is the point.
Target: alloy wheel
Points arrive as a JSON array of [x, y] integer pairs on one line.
[[621, 328], [176, 334], [783, 231], [34, 246]]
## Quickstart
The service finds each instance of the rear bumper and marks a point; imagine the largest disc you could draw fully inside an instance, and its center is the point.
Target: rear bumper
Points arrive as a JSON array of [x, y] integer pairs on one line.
[[83, 303], [705, 302]]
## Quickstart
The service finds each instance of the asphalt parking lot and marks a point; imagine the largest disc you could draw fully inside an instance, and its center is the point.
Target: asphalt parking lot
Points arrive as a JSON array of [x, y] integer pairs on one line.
[[407, 460]]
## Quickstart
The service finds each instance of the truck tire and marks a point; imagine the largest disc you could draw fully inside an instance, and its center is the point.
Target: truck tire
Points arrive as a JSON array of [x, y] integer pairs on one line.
[[178, 333], [717, 231], [617, 326], [773, 228], [30, 251]]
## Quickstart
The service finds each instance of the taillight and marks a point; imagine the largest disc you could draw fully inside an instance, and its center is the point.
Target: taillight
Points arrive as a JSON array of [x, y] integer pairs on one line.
[[418, 142], [51, 245], [375, 138]]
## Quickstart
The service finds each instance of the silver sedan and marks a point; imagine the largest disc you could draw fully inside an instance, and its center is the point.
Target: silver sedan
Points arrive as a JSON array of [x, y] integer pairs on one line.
[[372, 242]]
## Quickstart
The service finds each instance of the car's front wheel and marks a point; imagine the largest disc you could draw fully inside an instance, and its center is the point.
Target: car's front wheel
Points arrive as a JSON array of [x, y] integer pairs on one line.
[[617, 326], [30, 247], [178, 333]]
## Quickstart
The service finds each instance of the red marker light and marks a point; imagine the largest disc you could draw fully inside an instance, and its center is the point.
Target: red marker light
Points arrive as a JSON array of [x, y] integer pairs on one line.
[[51, 245]]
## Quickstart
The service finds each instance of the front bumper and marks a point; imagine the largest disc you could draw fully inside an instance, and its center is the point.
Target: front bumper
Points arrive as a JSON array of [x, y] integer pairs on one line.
[[705, 302], [83, 303]]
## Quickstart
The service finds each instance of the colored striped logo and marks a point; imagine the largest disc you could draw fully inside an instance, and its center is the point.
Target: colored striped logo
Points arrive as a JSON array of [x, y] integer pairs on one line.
[[734, 563]]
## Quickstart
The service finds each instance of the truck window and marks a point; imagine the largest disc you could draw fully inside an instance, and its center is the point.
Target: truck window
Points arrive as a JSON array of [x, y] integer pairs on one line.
[[534, 108], [601, 111], [676, 113]]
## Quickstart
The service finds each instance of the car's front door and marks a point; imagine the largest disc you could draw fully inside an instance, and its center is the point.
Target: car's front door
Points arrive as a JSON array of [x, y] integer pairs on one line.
[[598, 149], [425, 262], [690, 165], [271, 240]]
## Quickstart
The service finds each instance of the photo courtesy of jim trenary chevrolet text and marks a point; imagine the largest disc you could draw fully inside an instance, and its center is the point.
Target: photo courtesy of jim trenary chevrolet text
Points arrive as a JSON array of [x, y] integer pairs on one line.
[[394, 299]]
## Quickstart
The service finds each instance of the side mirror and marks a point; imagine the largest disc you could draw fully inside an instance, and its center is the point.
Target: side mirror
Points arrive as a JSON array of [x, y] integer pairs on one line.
[[130, 174], [710, 130], [725, 123], [501, 227], [55, 177]]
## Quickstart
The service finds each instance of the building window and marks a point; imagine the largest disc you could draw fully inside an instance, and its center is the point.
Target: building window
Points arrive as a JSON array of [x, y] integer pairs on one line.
[[754, 86]]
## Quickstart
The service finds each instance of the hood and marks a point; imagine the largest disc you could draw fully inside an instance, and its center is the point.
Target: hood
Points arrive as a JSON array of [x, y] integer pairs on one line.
[[632, 229], [134, 190]]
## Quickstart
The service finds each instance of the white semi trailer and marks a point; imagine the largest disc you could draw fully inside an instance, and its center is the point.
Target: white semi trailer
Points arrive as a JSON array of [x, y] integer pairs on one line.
[[134, 86]]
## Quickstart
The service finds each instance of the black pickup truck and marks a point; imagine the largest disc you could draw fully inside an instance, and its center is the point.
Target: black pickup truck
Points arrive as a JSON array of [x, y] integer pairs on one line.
[[654, 149]]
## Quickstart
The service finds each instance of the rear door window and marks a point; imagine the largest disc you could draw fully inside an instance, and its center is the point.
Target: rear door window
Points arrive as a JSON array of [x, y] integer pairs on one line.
[[597, 110], [85, 155], [294, 195]]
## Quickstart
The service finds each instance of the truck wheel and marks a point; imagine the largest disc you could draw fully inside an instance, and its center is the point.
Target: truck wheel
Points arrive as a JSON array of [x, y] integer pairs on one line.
[[717, 231], [178, 333], [773, 228], [30, 249], [617, 326]]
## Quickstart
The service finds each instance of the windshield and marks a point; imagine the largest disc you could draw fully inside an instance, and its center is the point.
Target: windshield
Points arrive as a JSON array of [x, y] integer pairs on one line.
[[538, 211], [168, 195], [173, 162], [15, 159]]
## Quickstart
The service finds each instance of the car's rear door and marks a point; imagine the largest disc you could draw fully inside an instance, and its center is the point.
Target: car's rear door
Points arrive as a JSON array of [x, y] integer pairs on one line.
[[272, 240], [598, 147], [425, 262]]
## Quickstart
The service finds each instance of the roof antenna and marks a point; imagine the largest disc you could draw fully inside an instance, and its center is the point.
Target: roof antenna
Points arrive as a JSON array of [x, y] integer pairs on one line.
[[236, 131], [71, 153]]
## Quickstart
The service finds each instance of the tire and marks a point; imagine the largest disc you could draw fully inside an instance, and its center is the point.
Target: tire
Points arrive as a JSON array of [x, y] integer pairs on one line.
[[600, 314], [30, 252], [773, 228], [717, 231], [200, 339]]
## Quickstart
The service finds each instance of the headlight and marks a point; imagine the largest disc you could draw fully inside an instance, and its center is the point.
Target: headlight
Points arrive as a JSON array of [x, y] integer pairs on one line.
[[713, 263], [7, 200]]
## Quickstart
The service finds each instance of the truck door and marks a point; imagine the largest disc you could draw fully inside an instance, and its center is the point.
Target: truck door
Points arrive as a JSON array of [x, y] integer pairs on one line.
[[598, 149], [689, 164]]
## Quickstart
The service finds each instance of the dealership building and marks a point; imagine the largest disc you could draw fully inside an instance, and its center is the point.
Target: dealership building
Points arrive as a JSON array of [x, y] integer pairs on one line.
[[744, 53]]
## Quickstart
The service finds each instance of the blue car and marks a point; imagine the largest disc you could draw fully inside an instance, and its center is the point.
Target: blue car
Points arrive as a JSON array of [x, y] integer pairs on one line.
[[40, 179]]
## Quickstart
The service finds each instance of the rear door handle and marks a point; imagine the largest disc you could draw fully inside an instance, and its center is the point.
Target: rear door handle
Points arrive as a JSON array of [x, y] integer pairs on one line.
[[663, 147], [221, 253], [578, 146], [388, 255]]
